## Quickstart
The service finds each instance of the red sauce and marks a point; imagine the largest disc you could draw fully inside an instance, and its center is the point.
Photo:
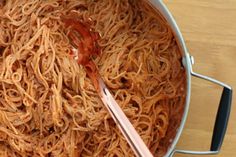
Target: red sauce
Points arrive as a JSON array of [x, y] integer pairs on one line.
[[85, 40]]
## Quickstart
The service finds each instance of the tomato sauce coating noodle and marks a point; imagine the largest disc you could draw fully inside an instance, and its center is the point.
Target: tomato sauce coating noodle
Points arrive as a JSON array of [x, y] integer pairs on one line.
[[48, 104]]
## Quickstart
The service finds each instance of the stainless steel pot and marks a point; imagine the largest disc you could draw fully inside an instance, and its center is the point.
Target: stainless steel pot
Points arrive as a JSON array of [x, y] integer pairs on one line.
[[226, 97]]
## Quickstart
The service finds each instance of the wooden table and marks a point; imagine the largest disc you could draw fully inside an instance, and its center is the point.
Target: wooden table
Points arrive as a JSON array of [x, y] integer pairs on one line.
[[209, 29]]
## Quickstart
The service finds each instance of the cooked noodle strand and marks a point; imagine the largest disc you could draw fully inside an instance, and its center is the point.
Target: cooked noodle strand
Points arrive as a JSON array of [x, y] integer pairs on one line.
[[48, 104]]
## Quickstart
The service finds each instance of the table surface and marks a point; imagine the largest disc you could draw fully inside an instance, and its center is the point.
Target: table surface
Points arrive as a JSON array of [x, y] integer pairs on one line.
[[209, 30]]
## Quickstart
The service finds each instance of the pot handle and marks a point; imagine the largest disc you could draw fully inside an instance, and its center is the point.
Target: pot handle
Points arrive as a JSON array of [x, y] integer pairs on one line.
[[221, 121]]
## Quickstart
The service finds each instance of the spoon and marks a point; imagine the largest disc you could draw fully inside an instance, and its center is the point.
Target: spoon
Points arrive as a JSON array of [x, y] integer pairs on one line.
[[83, 47]]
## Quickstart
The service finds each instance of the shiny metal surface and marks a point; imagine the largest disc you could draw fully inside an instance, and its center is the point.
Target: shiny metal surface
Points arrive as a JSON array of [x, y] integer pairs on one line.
[[210, 79], [194, 152], [159, 5], [188, 61]]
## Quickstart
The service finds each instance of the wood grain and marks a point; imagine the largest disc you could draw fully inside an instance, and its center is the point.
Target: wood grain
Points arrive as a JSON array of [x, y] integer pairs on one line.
[[209, 29]]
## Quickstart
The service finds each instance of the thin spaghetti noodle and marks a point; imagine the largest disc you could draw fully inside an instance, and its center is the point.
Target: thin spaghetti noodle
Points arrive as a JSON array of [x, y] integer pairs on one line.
[[48, 105]]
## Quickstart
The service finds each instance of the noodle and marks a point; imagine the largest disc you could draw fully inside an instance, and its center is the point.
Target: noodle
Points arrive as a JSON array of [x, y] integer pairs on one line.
[[48, 104]]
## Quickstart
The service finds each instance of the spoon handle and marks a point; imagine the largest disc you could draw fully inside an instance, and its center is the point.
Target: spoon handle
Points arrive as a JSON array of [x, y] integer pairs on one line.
[[134, 140]]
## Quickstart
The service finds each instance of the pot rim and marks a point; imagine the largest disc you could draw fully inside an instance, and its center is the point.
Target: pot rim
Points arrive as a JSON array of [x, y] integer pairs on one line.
[[161, 7]]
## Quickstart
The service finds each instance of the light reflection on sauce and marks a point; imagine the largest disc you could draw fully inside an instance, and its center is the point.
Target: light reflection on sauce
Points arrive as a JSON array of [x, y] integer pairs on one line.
[[84, 43]]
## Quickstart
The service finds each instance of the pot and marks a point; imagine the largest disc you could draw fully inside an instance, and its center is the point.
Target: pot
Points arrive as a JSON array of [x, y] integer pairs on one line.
[[225, 101]]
